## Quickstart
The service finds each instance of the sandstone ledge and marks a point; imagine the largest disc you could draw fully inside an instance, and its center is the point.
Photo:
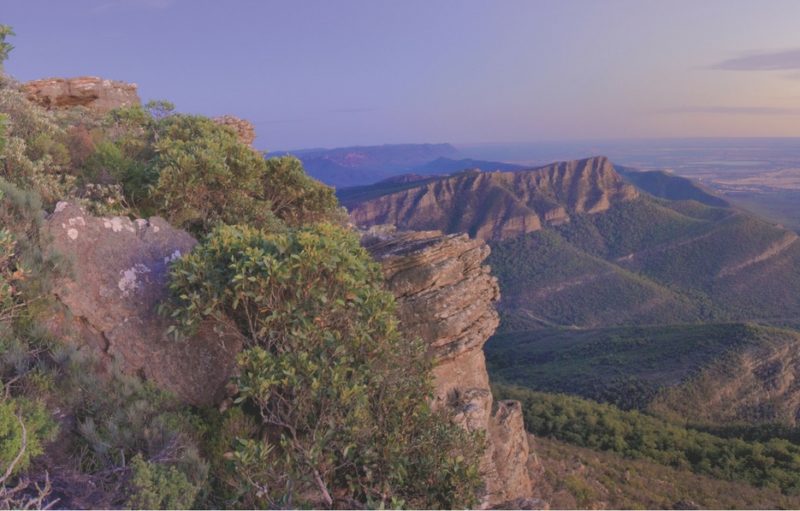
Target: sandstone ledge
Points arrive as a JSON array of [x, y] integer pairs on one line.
[[446, 296]]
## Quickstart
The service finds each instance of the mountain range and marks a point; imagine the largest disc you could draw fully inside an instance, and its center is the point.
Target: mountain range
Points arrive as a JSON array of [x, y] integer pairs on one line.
[[364, 165], [646, 284]]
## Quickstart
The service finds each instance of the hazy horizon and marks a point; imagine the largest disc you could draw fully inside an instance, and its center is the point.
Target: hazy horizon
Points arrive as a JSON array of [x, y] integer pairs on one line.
[[332, 74]]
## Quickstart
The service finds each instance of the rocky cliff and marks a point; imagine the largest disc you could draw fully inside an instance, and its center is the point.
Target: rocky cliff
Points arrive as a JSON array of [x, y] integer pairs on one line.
[[446, 296], [497, 205], [117, 277], [94, 93]]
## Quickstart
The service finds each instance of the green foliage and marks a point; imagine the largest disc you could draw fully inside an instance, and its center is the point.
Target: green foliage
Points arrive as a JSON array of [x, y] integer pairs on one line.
[[25, 426], [626, 366], [774, 463], [295, 197], [339, 396], [124, 417], [34, 155], [157, 486], [2, 133], [5, 46], [543, 276], [604, 479], [207, 177]]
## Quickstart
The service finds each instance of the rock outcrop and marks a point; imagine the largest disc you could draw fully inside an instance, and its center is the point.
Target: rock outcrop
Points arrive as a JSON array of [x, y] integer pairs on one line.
[[244, 129], [94, 93], [495, 205], [445, 296], [118, 272], [118, 276]]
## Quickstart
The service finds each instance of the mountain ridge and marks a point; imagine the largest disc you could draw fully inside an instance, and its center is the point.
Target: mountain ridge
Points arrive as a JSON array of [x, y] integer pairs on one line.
[[497, 205]]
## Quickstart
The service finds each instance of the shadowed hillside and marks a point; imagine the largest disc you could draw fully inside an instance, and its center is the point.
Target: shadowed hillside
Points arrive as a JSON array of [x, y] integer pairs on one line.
[[669, 186]]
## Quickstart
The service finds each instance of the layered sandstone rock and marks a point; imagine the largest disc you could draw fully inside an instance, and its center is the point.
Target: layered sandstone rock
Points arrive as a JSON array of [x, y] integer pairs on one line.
[[118, 276], [445, 295], [91, 92], [244, 129], [497, 205]]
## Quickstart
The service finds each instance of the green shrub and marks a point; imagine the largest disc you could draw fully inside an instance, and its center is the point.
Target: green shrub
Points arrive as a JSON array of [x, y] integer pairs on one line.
[[339, 396], [33, 269], [34, 155], [24, 427], [295, 197], [157, 486], [207, 177]]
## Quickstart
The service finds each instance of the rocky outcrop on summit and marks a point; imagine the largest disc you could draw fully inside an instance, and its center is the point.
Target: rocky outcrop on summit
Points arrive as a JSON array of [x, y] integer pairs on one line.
[[118, 276], [445, 295], [91, 92], [244, 129], [497, 205]]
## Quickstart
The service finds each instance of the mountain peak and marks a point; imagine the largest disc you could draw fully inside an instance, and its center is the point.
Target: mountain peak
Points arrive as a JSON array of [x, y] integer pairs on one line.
[[495, 205]]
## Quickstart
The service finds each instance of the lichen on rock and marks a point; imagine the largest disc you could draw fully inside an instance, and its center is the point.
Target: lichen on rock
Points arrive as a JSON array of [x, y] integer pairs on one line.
[[118, 276]]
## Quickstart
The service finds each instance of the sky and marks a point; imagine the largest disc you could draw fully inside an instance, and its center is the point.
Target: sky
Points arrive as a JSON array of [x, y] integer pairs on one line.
[[334, 73]]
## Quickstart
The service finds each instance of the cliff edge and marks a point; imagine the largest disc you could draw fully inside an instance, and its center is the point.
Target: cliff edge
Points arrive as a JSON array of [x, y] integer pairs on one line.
[[445, 295]]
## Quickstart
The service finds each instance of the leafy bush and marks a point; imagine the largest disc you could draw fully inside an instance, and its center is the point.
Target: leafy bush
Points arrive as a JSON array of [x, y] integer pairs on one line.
[[295, 197], [338, 396], [207, 177], [24, 427], [157, 486], [774, 463], [34, 155], [31, 269]]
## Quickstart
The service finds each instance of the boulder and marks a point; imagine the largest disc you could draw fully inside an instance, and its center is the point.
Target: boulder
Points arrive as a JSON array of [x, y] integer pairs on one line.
[[446, 296], [94, 93], [118, 274]]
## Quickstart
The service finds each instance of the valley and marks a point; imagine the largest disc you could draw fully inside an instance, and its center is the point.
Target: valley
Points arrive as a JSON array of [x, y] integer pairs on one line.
[[647, 291]]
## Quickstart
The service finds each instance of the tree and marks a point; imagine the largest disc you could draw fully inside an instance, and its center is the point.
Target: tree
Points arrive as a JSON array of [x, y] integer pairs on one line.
[[339, 397], [5, 47]]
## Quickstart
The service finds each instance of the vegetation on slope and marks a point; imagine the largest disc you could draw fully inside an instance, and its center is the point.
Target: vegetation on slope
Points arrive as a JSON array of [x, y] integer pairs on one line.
[[669, 186], [771, 464], [575, 477], [626, 366], [541, 274]]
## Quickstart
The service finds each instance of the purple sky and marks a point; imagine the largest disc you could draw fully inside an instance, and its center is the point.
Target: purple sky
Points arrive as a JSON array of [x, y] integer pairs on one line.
[[332, 73]]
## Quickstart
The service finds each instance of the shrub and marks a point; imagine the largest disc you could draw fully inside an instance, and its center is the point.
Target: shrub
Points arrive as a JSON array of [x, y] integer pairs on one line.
[[24, 426], [297, 198], [157, 486], [32, 269], [34, 155], [339, 396], [207, 177]]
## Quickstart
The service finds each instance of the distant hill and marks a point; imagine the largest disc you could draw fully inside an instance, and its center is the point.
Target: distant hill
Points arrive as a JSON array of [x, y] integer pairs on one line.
[[361, 165], [493, 205], [664, 185], [448, 166]]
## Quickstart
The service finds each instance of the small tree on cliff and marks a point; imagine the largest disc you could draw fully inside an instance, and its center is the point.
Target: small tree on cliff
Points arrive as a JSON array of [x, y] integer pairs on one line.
[[5, 47], [336, 397]]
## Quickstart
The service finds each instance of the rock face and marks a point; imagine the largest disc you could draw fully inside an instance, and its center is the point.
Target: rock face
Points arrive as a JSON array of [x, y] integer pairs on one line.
[[118, 277], [445, 295], [496, 205], [94, 93], [244, 129]]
